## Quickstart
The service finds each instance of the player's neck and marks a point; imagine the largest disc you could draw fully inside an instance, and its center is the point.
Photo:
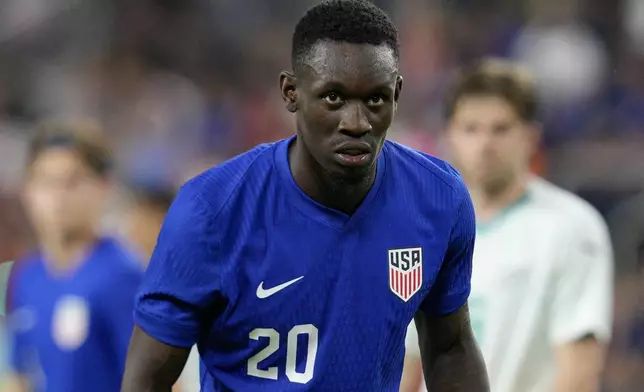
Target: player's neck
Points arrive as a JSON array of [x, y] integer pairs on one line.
[[65, 252], [489, 204], [342, 196]]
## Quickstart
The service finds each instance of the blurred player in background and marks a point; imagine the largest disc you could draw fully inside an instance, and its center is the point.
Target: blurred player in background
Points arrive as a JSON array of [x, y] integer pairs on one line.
[[144, 217], [298, 265], [71, 300], [542, 278], [145, 214], [16, 237]]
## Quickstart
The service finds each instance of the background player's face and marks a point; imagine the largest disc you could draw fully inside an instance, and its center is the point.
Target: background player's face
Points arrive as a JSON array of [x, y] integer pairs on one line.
[[490, 144], [345, 93], [62, 195]]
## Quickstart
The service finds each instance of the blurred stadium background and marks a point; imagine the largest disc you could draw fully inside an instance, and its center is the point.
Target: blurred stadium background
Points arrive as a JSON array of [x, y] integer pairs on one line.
[[182, 84]]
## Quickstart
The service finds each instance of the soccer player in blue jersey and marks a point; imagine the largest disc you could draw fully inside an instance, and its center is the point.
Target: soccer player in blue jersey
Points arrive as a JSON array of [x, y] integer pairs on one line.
[[298, 265], [71, 301]]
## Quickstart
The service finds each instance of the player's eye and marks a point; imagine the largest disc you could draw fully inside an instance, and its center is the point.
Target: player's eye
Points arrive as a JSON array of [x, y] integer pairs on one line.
[[376, 100], [332, 99], [502, 129]]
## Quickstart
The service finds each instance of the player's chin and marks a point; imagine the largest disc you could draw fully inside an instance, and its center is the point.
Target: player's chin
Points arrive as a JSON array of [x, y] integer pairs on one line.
[[352, 168]]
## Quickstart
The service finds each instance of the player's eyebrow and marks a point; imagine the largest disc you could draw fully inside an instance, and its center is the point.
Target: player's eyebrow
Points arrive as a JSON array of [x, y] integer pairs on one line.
[[334, 85]]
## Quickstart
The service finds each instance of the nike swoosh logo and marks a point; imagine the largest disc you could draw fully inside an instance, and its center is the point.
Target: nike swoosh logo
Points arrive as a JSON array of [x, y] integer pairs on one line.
[[265, 293]]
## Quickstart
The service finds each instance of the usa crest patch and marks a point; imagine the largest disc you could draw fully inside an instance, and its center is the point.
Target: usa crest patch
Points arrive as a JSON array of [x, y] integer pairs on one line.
[[405, 271]]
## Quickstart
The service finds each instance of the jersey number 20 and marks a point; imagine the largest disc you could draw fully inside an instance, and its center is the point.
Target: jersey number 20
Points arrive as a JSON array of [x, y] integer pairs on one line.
[[291, 353]]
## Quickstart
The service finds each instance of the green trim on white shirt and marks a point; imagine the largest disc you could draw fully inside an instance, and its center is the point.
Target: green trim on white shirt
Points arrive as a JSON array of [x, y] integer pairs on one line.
[[484, 227]]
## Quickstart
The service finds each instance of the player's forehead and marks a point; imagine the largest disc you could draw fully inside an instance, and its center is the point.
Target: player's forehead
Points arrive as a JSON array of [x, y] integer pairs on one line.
[[478, 106], [58, 161], [351, 66]]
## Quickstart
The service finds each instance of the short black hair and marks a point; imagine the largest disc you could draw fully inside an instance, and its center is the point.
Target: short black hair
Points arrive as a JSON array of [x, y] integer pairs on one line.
[[352, 21]]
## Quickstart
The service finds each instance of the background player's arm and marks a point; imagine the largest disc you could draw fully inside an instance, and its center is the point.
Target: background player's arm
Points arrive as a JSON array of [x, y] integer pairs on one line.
[[15, 383], [179, 295], [581, 310], [579, 365], [17, 380], [412, 377], [446, 340]]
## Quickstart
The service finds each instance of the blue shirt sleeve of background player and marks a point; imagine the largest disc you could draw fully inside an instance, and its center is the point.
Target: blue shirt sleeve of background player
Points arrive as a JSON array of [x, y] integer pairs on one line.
[[18, 351], [452, 286], [19, 321], [118, 305], [183, 278]]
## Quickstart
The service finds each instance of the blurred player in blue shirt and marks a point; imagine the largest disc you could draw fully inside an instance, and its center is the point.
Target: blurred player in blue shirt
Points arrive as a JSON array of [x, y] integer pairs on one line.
[[71, 301], [298, 265]]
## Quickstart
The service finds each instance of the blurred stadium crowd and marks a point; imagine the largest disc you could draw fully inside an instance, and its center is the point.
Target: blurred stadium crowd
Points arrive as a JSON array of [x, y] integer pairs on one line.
[[180, 85]]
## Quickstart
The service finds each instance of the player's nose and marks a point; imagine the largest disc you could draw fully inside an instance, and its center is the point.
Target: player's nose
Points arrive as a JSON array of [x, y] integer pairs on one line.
[[354, 120]]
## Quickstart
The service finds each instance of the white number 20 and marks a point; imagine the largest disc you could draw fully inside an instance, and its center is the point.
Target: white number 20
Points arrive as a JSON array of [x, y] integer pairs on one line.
[[291, 353]]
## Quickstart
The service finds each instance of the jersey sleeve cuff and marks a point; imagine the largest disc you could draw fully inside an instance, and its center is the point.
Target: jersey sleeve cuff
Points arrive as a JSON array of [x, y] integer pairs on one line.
[[166, 331], [573, 332], [447, 305]]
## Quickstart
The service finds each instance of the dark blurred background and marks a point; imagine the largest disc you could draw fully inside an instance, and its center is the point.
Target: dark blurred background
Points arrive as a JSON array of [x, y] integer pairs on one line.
[[180, 85]]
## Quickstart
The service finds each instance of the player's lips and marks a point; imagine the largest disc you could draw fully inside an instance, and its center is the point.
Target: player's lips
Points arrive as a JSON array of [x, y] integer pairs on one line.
[[354, 153]]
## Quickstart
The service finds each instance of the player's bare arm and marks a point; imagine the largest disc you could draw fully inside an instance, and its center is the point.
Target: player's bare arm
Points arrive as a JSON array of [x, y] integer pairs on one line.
[[152, 366], [412, 374], [579, 365], [454, 353]]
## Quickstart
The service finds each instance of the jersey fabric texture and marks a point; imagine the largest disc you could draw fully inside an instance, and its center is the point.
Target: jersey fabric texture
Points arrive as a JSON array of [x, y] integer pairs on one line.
[[283, 294], [542, 277], [70, 333]]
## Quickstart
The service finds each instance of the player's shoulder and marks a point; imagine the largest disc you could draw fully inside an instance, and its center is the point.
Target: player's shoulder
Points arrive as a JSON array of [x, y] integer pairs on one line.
[[27, 265], [573, 210], [117, 265], [213, 187], [424, 170], [117, 260]]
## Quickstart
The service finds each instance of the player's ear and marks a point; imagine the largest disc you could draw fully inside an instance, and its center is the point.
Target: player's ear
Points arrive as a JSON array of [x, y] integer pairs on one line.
[[398, 90], [289, 93]]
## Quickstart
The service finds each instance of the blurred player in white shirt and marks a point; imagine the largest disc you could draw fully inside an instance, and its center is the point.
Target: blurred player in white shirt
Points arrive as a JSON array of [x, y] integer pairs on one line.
[[541, 299]]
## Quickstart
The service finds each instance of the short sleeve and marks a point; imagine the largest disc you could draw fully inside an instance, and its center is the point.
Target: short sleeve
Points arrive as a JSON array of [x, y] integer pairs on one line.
[[583, 288], [183, 278], [452, 286]]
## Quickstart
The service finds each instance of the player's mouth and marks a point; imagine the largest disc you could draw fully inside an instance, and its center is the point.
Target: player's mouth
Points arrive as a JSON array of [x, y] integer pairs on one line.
[[354, 154]]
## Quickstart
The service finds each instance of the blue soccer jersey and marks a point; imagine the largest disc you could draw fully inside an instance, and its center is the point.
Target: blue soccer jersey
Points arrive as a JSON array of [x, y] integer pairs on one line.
[[70, 333], [284, 294]]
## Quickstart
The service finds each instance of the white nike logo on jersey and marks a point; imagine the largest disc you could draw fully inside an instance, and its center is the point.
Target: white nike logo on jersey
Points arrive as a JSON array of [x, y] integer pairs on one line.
[[265, 293]]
